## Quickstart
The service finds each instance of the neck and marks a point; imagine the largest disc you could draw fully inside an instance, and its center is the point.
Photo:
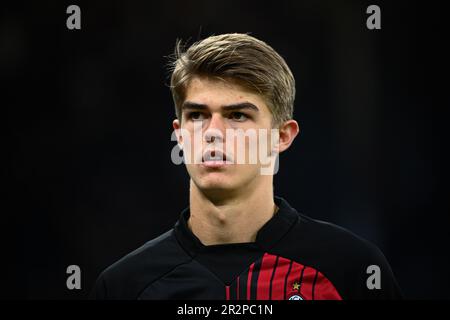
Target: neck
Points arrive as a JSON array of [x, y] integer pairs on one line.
[[233, 218]]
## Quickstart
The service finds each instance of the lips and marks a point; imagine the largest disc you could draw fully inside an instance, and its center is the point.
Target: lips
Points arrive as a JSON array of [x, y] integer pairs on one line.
[[215, 159]]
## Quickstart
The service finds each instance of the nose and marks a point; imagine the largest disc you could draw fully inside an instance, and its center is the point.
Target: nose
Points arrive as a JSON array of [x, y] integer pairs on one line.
[[215, 130]]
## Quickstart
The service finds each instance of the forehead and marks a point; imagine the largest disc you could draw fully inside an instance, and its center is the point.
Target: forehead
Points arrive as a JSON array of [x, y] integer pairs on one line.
[[215, 92]]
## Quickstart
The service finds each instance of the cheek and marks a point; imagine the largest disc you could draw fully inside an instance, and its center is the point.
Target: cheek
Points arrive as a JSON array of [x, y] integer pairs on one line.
[[259, 146], [251, 148], [191, 144]]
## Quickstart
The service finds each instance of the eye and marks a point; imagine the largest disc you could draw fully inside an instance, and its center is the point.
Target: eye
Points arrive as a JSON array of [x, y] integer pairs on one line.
[[238, 116], [195, 116]]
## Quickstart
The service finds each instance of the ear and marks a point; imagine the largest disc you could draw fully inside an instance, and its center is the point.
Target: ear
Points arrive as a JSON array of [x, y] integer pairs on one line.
[[288, 131], [177, 128]]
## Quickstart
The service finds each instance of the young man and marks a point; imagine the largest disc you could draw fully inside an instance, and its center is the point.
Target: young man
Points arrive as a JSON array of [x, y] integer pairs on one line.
[[236, 240]]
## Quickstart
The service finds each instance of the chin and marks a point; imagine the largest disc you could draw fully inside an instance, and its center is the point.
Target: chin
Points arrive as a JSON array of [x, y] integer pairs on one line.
[[215, 184]]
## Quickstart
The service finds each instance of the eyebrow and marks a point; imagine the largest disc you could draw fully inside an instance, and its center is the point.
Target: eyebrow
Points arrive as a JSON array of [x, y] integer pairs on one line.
[[188, 105]]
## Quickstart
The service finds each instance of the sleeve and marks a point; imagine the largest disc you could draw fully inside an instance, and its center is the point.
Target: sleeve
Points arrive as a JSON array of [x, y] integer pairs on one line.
[[374, 279], [386, 287]]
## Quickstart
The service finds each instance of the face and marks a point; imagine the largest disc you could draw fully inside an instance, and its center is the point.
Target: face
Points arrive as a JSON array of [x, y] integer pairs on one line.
[[214, 112]]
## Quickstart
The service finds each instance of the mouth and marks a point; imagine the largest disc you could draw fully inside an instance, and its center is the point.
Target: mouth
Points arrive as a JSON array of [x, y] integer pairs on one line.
[[215, 159]]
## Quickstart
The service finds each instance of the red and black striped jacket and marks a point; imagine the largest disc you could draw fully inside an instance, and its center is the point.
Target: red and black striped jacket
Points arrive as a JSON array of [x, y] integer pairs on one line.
[[294, 257]]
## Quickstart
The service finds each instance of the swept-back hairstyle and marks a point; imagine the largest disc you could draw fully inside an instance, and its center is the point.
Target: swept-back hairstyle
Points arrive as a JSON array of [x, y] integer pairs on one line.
[[238, 58]]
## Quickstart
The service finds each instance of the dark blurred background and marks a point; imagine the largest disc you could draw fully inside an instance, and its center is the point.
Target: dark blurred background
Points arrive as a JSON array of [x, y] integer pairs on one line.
[[88, 175]]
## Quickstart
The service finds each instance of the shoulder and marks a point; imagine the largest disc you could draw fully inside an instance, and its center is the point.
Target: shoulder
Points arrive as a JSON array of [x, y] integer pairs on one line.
[[345, 258], [335, 240], [130, 275]]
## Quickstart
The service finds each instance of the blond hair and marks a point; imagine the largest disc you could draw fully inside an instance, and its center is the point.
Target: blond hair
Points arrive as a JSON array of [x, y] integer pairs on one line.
[[241, 58]]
